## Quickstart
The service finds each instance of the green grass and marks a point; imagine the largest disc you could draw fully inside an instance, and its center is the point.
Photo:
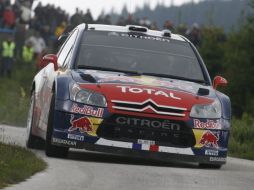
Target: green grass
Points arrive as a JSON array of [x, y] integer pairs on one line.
[[241, 142], [15, 96], [17, 164]]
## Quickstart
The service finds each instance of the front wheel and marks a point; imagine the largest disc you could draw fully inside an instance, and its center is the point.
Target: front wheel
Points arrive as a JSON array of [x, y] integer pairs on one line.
[[52, 150]]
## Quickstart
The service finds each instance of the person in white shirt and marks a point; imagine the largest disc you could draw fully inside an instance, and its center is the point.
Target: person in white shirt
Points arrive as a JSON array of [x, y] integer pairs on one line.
[[37, 42]]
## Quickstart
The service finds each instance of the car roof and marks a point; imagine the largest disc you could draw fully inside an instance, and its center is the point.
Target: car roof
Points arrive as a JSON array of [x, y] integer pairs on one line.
[[156, 33]]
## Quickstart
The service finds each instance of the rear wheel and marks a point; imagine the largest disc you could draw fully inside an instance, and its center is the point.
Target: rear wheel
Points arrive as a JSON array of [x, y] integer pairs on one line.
[[31, 140], [211, 166], [52, 150]]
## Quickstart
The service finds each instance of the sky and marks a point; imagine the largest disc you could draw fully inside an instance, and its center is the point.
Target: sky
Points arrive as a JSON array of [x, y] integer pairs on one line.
[[96, 6]]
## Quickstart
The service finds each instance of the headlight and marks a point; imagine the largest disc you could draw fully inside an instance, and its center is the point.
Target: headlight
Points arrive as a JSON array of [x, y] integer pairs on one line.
[[211, 111], [85, 96]]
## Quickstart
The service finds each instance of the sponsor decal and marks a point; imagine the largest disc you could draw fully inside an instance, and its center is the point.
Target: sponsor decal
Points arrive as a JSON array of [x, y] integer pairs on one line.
[[87, 110], [209, 139], [75, 137], [65, 142], [209, 124], [120, 78], [185, 86], [212, 152], [145, 37], [156, 124], [128, 89], [82, 124], [85, 124], [154, 148], [176, 84], [149, 133], [147, 142], [218, 159]]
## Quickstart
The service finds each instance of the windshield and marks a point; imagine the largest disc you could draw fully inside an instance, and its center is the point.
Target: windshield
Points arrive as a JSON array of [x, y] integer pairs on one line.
[[140, 54]]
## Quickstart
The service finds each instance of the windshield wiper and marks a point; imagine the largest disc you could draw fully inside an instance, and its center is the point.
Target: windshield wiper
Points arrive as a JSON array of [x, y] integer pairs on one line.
[[108, 69], [175, 77]]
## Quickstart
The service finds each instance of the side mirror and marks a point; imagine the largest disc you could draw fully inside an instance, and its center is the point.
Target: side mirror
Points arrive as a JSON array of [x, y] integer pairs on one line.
[[219, 81], [51, 58]]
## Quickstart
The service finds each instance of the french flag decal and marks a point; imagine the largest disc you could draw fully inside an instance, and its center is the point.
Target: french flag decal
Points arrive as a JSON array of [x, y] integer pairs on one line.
[[154, 148], [137, 146]]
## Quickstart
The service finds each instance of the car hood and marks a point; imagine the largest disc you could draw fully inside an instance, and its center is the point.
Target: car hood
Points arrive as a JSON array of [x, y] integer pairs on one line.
[[145, 90]]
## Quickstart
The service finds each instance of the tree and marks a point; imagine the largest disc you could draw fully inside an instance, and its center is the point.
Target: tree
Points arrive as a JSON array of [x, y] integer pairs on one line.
[[239, 66]]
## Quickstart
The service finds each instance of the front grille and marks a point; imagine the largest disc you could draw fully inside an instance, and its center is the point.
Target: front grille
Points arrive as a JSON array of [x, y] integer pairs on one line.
[[163, 132], [146, 105]]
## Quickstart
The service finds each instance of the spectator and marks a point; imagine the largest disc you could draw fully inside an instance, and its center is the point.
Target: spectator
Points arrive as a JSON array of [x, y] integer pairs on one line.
[[87, 18], [27, 54], [169, 25], [154, 26], [37, 43], [8, 54], [60, 29], [20, 37], [26, 12], [76, 19], [130, 20], [145, 22], [182, 29], [9, 17], [194, 34]]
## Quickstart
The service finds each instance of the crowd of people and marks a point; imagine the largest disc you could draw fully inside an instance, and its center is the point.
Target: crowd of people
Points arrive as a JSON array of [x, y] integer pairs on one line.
[[34, 35]]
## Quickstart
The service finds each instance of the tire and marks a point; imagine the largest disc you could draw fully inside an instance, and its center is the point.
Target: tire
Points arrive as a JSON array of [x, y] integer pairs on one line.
[[32, 141], [53, 150], [210, 166]]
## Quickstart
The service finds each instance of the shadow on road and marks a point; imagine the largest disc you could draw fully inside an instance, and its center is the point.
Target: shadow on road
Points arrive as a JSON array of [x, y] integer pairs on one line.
[[116, 159]]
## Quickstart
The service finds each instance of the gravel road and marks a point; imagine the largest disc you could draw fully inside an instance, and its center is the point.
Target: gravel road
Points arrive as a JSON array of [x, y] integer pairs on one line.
[[89, 170]]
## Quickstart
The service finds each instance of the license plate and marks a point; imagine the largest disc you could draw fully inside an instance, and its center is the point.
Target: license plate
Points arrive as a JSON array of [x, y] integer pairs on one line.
[[147, 142]]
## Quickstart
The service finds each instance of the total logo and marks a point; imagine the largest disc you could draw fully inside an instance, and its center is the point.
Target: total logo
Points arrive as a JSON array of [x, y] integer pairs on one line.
[[128, 89], [82, 124], [209, 139]]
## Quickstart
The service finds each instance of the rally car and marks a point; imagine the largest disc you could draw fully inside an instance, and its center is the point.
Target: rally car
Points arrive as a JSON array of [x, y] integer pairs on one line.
[[132, 91]]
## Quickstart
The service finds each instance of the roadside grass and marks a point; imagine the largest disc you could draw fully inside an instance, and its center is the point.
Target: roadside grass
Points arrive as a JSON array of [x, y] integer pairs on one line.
[[17, 164], [15, 96], [241, 143]]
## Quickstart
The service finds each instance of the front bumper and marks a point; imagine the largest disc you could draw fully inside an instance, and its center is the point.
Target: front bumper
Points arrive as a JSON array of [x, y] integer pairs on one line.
[[213, 148]]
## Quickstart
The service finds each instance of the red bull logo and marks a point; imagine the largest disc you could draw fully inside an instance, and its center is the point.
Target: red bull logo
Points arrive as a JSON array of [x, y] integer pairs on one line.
[[209, 124], [209, 139], [82, 124]]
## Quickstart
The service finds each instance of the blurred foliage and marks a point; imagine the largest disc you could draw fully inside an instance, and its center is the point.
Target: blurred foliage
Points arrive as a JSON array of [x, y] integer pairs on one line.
[[241, 142], [232, 56], [212, 49]]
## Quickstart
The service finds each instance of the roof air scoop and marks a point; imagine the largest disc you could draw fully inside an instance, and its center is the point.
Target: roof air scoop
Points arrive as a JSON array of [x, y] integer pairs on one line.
[[166, 33], [203, 92], [135, 28]]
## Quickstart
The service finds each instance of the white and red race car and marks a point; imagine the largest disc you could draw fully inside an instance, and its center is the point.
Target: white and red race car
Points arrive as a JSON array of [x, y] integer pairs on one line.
[[130, 90]]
